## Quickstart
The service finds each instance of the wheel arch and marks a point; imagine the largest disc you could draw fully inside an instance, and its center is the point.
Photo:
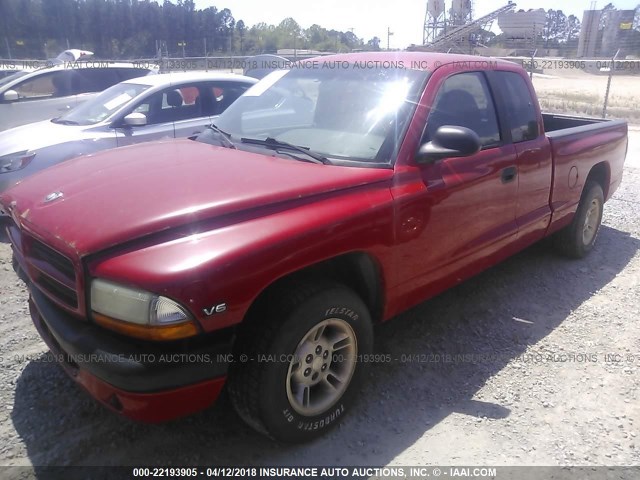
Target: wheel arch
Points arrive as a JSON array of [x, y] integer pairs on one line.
[[601, 174], [359, 271]]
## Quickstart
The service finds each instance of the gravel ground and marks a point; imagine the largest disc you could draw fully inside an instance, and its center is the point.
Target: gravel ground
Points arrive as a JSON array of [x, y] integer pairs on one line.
[[550, 376]]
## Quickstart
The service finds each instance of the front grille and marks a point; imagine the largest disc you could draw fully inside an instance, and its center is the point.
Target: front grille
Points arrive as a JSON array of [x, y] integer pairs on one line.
[[62, 264], [51, 271], [61, 292]]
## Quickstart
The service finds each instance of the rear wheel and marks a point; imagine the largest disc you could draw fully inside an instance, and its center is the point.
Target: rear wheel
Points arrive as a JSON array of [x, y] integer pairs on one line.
[[297, 369], [578, 238]]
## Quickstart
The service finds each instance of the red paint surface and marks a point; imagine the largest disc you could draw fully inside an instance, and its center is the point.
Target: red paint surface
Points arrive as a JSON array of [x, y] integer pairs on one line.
[[152, 407]]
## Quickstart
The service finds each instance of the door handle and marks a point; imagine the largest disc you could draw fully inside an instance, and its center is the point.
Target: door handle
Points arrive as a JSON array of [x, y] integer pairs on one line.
[[509, 174]]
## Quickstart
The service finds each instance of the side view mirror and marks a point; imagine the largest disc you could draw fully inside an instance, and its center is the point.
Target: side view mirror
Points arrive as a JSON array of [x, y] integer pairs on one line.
[[449, 141], [135, 119], [10, 96]]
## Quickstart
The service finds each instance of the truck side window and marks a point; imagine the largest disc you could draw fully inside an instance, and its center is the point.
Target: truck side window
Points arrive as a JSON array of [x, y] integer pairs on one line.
[[520, 109], [464, 100]]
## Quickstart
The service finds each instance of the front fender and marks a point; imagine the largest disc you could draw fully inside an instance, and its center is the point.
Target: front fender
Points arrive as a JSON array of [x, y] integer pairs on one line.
[[233, 260]]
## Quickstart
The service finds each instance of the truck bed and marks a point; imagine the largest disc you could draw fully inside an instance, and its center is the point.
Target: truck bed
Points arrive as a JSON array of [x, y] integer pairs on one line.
[[556, 125], [578, 145]]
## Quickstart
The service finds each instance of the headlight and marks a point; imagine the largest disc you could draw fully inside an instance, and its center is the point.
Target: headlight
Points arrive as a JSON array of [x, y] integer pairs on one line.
[[15, 161], [138, 313]]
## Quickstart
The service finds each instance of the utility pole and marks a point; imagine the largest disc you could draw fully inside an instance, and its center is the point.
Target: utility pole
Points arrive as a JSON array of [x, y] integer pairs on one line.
[[295, 49], [389, 33], [606, 95]]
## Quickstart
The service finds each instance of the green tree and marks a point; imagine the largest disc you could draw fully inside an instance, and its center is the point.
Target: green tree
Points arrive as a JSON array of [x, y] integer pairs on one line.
[[572, 31], [373, 44], [136, 29], [555, 28], [242, 31]]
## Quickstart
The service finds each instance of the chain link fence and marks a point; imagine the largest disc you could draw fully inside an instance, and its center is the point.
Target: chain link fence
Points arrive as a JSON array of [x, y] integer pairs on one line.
[[606, 88]]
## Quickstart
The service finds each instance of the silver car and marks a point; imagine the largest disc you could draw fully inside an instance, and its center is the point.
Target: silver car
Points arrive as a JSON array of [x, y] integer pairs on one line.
[[29, 96], [138, 110]]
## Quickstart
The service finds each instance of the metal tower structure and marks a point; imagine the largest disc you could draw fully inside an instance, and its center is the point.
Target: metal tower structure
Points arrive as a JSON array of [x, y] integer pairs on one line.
[[457, 37], [461, 12], [435, 21]]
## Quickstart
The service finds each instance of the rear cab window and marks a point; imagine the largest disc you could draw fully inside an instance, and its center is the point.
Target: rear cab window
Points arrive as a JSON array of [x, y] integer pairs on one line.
[[520, 110]]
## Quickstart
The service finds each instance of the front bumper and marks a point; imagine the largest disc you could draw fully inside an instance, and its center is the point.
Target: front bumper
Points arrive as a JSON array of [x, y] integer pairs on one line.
[[144, 381]]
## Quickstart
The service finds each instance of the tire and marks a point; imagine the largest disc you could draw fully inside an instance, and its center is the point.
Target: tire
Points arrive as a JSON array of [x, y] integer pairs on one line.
[[277, 389], [578, 238]]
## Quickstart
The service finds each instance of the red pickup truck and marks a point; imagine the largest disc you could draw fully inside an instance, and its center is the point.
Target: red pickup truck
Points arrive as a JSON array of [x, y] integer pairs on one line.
[[331, 196]]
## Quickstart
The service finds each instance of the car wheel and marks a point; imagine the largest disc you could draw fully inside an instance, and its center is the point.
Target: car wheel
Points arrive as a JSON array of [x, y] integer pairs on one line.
[[578, 238], [296, 366]]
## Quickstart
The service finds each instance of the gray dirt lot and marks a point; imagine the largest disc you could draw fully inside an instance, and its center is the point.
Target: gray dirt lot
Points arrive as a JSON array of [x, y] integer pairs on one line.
[[536, 386]]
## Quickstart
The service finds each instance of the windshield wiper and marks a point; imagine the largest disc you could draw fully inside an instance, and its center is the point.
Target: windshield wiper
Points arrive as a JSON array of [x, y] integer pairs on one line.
[[64, 122], [275, 144], [226, 137]]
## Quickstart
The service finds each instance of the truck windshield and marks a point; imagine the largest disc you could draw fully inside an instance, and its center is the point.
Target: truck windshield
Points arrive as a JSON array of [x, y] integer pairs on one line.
[[102, 106], [345, 114]]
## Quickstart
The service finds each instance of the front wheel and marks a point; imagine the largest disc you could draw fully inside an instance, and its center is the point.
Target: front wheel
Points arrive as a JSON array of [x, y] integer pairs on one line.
[[301, 370], [578, 238]]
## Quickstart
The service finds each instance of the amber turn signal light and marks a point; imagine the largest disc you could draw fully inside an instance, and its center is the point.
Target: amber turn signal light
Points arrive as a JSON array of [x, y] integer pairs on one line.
[[147, 332]]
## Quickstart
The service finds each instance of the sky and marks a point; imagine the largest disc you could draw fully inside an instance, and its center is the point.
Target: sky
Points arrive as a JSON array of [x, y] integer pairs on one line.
[[369, 18]]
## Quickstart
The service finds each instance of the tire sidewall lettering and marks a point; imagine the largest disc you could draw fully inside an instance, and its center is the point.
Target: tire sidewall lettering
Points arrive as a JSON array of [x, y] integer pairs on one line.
[[341, 311], [315, 423]]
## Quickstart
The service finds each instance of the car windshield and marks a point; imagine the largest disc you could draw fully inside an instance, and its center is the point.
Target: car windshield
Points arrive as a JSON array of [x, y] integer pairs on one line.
[[104, 105], [349, 114], [6, 80]]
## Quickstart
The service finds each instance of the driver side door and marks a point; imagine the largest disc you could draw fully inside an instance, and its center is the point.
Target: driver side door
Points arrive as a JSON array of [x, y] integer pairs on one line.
[[463, 210]]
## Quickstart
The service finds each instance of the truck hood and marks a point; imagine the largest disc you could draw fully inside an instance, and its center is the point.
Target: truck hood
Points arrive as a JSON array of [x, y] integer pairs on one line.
[[94, 202], [38, 135]]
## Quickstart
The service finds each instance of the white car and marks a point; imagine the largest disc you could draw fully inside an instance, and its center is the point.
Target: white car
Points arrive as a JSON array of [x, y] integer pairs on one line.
[[9, 67], [29, 96], [138, 110]]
